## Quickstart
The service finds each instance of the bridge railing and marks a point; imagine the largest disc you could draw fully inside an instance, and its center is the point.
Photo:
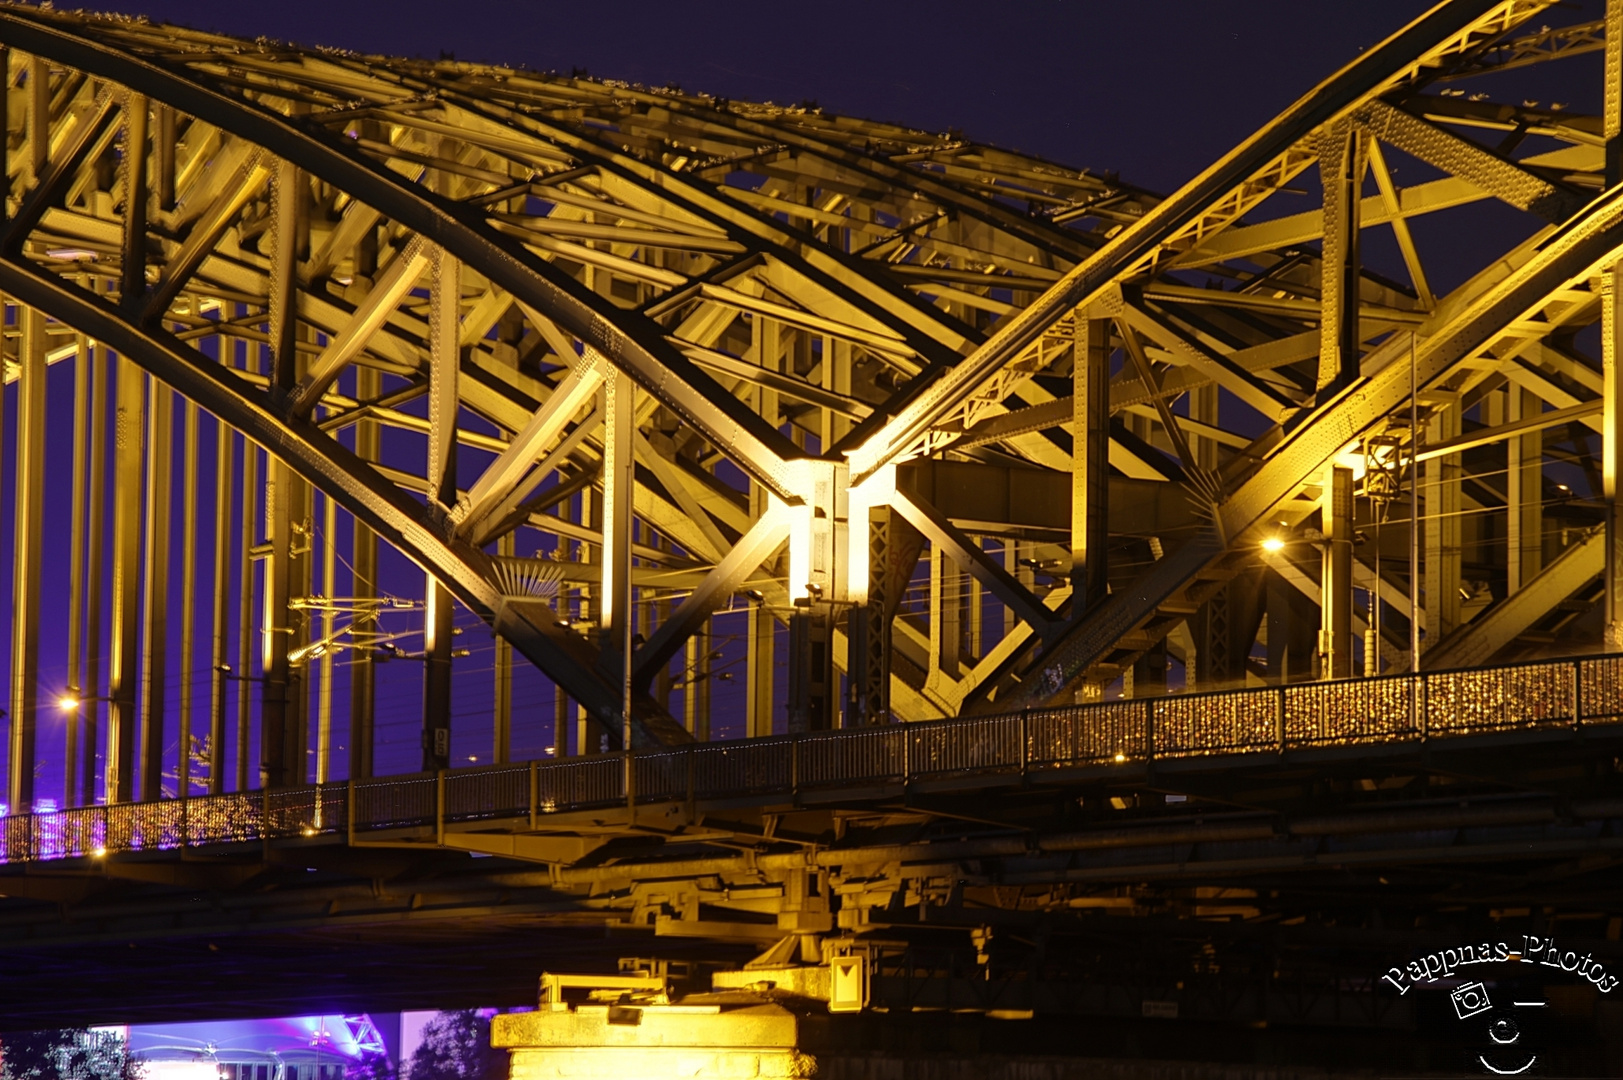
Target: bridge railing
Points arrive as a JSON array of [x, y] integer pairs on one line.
[[1263, 720]]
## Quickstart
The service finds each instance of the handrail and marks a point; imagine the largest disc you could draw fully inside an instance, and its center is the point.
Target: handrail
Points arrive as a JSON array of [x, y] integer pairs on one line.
[[1535, 695]]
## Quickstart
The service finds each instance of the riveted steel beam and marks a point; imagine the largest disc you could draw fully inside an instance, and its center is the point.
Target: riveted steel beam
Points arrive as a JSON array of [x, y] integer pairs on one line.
[[322, 461], [632, 345]]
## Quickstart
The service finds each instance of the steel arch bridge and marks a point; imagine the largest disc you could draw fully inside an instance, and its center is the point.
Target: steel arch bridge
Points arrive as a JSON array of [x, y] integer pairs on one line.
[[604, 360], [898, 496], [736, 419]]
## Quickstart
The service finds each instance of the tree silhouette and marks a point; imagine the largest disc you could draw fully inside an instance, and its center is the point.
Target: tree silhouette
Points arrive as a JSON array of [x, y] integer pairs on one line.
[[370, 1066], [66, 1054], [456, 1046]]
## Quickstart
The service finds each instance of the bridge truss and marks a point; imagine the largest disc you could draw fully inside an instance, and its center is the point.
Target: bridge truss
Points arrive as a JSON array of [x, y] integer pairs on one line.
[[720, 418]]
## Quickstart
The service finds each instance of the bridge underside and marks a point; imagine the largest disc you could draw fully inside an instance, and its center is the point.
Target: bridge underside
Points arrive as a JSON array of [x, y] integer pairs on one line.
[[1275, 887], [514, 521]]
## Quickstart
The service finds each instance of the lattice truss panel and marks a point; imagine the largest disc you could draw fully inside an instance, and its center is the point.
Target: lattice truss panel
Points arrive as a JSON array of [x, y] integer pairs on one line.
[[603, 361]]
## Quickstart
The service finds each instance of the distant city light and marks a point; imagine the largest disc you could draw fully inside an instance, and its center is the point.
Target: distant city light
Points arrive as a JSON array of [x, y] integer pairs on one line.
[[196, 1069]]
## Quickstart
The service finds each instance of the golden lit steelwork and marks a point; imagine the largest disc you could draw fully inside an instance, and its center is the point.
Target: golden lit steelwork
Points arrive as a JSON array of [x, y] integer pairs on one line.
[[627, 417]]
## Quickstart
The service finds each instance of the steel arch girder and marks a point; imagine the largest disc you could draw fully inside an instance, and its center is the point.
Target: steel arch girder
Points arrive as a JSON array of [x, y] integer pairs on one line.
[[1375, 71], [638, 349], [337, 472], [1570, 254]]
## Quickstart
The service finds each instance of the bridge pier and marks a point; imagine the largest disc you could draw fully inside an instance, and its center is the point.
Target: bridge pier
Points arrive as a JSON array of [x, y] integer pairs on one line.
[[737, 1034]]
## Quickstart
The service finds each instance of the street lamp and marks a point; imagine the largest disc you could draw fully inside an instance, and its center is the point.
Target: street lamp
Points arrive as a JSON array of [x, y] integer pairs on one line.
[[73, 701]]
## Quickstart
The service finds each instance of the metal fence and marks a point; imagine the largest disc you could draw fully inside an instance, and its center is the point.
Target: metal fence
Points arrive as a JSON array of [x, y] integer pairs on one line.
[[1542, 695]]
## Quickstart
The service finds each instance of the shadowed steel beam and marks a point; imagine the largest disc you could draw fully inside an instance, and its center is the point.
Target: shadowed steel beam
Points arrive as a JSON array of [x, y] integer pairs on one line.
[[155, 589], [27, 540], [1089, 413], [501, 476], [1567, 257], [95, 359], [388, 511], [1341, 175], [1214, 365], [512, 511], [1476, 643], [244, 183], [946, 536], [768, 533], [636, 346], [363, 577], [219, 656], [123, 669], [396, 281], [52, 179], [444, 363], [84, 716], [1504, 180], [1216, 198]]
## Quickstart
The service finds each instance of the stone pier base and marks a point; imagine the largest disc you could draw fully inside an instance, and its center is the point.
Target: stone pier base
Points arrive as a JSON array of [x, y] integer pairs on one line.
[[726, 1036]]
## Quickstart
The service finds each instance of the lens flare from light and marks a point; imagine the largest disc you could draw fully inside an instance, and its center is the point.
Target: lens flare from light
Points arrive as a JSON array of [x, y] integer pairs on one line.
[[1273, 545]]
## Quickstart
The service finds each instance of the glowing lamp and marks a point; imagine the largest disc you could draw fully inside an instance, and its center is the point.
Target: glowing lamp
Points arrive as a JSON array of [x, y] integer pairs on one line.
[[1273, 545], [68, 703]]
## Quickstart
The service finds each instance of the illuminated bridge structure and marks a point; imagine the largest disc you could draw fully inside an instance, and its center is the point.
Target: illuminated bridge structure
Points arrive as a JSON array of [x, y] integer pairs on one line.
[[753, 527]]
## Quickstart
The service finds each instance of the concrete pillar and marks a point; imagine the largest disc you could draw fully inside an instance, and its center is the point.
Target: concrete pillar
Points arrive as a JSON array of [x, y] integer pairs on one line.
[[743, 1036]]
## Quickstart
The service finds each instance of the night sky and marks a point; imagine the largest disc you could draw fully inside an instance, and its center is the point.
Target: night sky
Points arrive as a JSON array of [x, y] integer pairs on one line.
[[1152, 89]]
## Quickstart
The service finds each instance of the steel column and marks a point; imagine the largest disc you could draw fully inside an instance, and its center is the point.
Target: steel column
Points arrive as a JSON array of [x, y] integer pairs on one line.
[[155, 588], [94, 360], [443, 326], [1336, 580], [363, 577], [190, 494], [619, 486], [502, 712], [220, 644], [1441, 525], [248, 569], [1341, 172], [84, 712], [282, 748], [123, 671], [329, 591], [1090, 464], [27, 543], [1524, 494]]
